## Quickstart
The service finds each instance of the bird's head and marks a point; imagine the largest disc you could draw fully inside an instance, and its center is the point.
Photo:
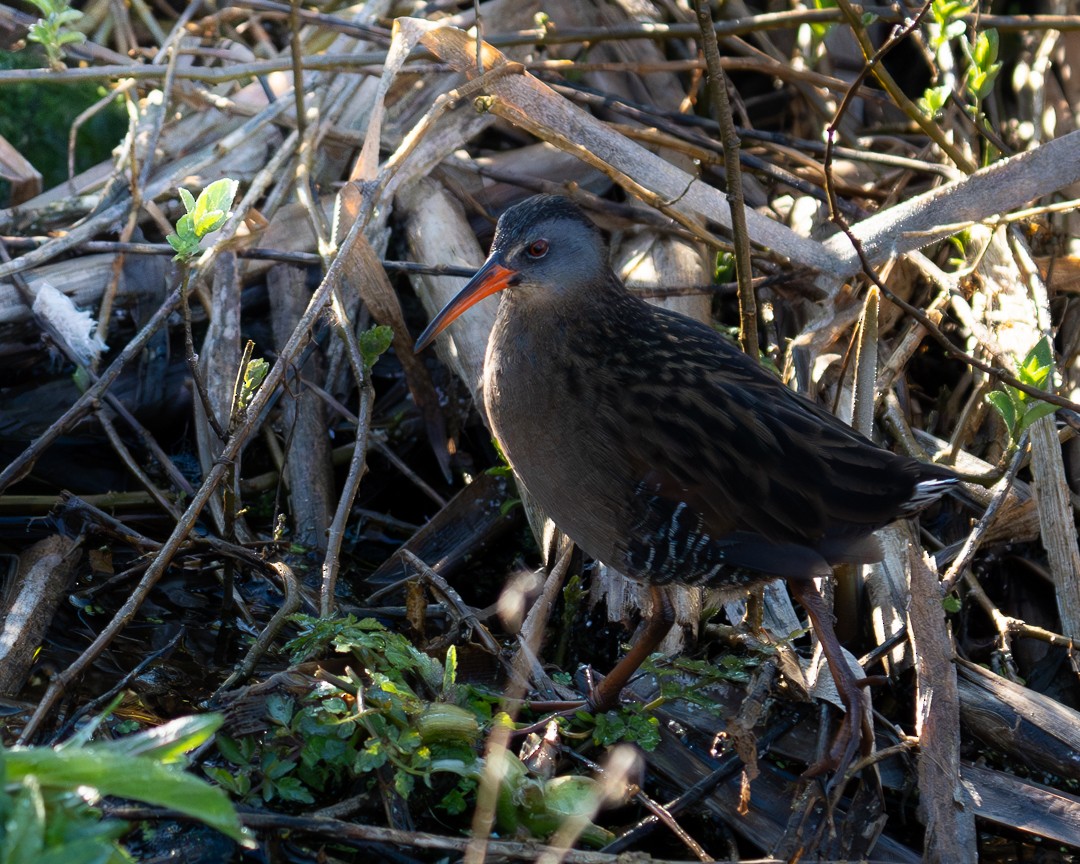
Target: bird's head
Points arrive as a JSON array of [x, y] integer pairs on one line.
[[545, 249]]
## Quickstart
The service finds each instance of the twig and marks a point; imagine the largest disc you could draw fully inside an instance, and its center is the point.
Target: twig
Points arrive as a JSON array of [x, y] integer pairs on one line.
[[919, 315], [336, 533], [748, 334], [129, 461], [367, 836], [296, 53], [451, 598], [253, 252], [725, 767], [95, 705], [289, 605], [971, 545], [873, 65], [378, 442], [498, 740], [191, 357], [658, 810]]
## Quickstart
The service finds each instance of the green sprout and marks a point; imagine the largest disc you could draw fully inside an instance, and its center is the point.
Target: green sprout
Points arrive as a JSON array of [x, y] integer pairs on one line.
[[934, 99], [984, 64], [374, 343], [1017, 408], [51, 30], [203, 216], [948, 21], [946, 25], [254, 375], [724, 269]]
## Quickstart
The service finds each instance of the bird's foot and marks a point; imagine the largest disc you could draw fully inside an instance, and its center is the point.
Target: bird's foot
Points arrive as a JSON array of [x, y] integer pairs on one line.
[[855, 735], [598, 697]]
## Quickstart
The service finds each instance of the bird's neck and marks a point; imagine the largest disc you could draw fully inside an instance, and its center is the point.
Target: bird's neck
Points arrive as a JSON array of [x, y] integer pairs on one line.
[[538, 319]]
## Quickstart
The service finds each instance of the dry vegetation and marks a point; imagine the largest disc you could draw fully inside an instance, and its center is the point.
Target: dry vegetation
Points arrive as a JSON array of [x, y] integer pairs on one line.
[[169, 503]]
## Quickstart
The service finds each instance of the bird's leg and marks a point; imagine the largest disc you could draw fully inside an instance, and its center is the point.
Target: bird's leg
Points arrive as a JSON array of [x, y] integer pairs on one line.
[[849, 687], [658, 622]]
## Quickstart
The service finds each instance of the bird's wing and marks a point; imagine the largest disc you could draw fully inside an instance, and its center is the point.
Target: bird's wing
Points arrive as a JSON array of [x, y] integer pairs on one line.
[[748, 457]]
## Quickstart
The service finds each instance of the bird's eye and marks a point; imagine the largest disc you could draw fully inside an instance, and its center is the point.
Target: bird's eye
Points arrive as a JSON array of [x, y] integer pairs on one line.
[[537, 249]]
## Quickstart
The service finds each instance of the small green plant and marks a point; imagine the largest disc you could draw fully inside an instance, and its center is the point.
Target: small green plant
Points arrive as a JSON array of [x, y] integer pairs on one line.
[[947, 22], [626, 723], [48, 793], [724, 270], [960, 243], [1018, 409], [395, 711], [254, 374], [934, 99], [374, 343], [203, 216], [984, 64], [51, 30], [532, 806], [945, 25], [395, 716]]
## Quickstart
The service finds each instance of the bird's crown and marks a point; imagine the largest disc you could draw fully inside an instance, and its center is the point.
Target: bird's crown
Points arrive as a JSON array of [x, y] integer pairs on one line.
[[541, 213]]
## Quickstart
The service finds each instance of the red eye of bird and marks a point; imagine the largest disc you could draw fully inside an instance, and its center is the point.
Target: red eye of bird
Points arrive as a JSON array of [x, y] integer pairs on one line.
[[538, 248]]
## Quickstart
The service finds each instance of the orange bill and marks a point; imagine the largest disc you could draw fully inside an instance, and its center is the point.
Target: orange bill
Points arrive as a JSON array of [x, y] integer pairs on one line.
[[488, 280]]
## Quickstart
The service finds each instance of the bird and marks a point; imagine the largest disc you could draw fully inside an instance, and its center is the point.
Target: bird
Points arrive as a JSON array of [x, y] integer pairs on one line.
[[664, 451]]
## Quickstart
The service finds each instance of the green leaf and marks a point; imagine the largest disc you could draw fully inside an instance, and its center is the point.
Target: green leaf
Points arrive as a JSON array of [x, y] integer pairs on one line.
[[1035, 412], [275, 768], [455, 802], [934, 99], [232, 750], [947, 21], [67, 16], [169, 742], [403, 783], [984, 68], [238, 784], [372, 757], [291, 789], [209, 221], [952, 604], [1035, 369], [374, 342], [280, 708], [1002, 401], [255, 373], [821, 29], [185, 227], [95, 850], [219, 195], [724, 271], [203, 216], [74, 38], [139, 778], [449, 671], [985, 51], [25, 825]]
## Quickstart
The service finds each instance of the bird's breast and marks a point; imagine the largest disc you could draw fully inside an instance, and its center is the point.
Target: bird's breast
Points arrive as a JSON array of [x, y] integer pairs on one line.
[[542, 412]]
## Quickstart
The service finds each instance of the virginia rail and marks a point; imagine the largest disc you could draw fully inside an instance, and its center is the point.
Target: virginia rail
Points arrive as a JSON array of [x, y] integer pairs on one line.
[[664, 451]]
